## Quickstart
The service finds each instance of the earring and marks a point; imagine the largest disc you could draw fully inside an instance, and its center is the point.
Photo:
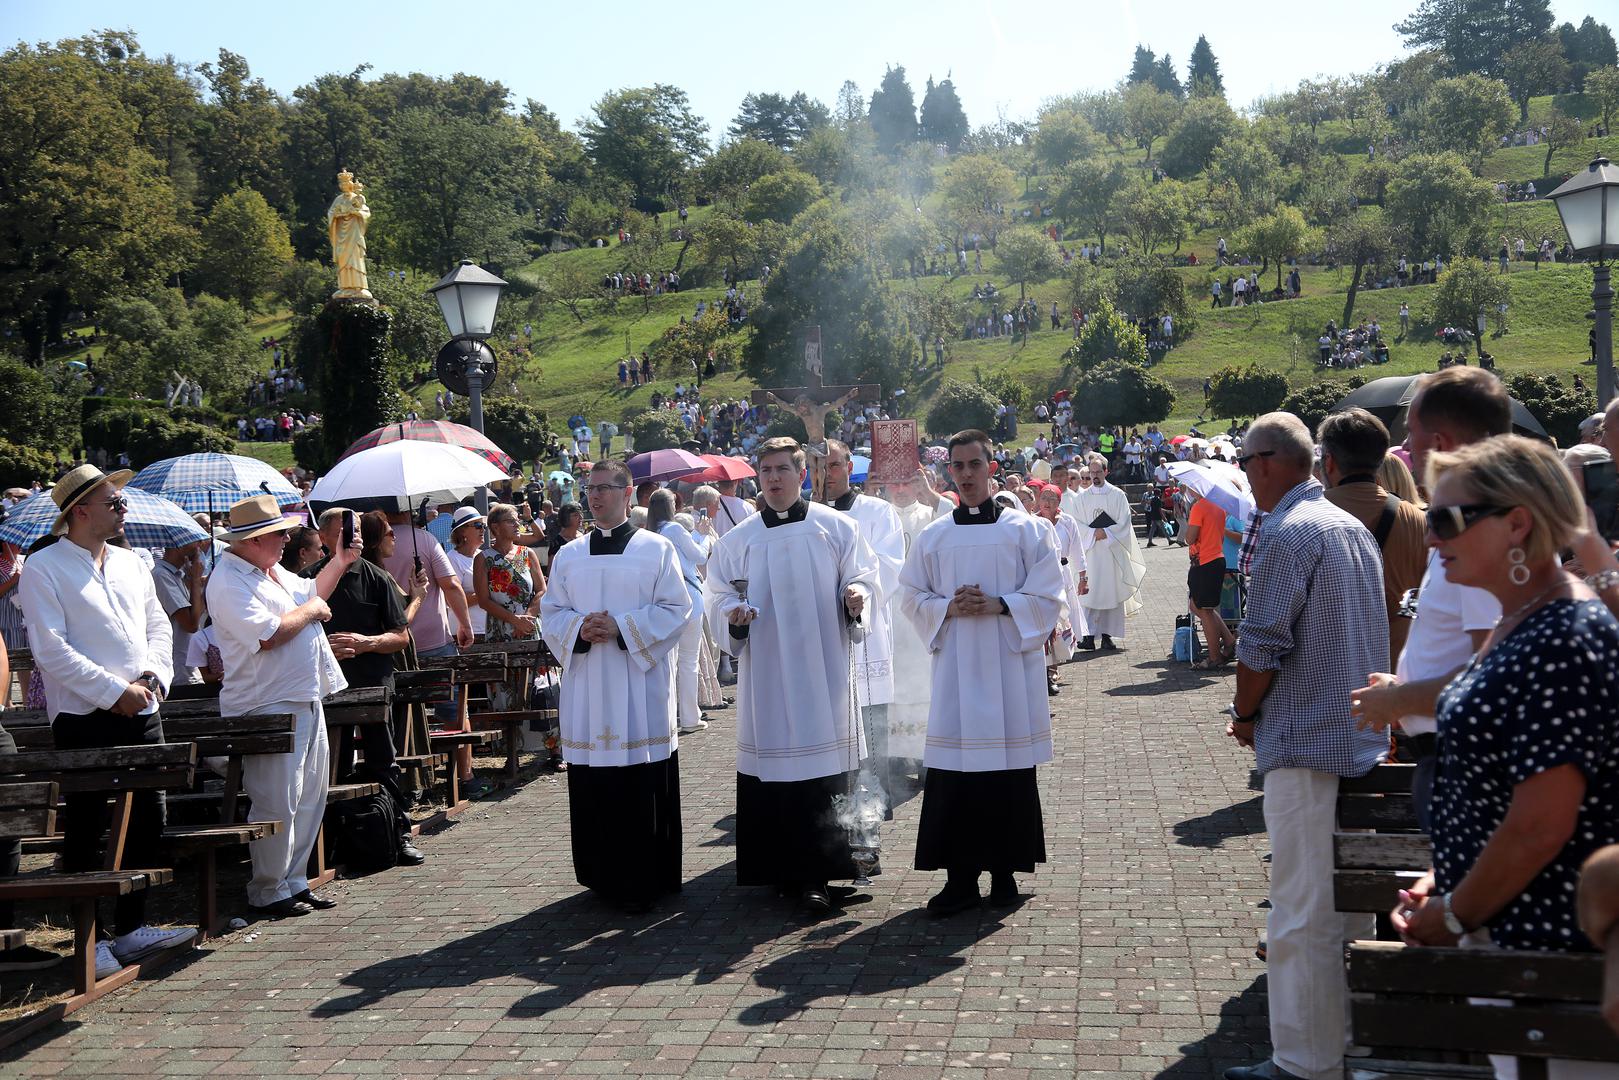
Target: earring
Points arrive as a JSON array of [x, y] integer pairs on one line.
[[1518, 573]]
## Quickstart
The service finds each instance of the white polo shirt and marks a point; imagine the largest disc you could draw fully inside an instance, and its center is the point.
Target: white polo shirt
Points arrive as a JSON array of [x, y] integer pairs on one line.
[[1439, 641], [247, 605]]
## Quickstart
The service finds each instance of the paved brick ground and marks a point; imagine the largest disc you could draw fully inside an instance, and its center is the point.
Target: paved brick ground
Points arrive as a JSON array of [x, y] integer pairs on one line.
[[1134, 958]]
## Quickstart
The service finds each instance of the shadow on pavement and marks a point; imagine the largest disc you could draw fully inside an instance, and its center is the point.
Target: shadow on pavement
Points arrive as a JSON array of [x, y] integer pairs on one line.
[[1216, 827], [1242, 1038]]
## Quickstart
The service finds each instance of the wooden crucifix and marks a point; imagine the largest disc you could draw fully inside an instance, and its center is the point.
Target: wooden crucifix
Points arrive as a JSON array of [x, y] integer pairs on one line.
[[814, 402]]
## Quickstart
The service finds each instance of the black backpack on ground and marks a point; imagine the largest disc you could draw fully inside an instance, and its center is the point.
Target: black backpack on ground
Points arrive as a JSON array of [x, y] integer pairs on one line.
[[366, 834]]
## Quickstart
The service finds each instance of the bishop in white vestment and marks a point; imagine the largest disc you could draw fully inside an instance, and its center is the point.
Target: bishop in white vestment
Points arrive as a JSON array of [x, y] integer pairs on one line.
[[1113, 562], [985, 589], [612, 613], [786, 591]]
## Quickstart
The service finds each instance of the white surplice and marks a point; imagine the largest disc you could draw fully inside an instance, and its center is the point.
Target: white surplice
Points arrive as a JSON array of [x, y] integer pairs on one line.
[[990, 709], [1114, 566], [1072, 548], [618, 704], [874, 657], [913, 664], [793, 687]]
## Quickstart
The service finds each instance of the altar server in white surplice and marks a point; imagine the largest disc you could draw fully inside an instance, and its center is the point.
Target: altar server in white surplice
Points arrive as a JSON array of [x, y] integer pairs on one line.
[[787, 591], [613, 612], [874, 656], [985, 589], [1112, 560], [918, 506]]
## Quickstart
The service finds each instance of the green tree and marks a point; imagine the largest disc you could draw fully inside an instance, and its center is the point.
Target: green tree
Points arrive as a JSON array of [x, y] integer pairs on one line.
[[1437, 204], [245, 247], [1152, 214], [961, 405], [973, 184], [1359, 240], [893, 111], [1313, 401], [1560, 132], [780, 196], [1245, 391], [1203, 71], [1279, 234], [1063, 135], [943, 121], [685, 348], [779, 120], [646, 138], [1466, 288], [728, 171], [569, 284], [515, 426], [1149, 114], [1116, 394], [1027, 255], [1602, 87], [657, 429], [37, 413], [1475, 34], [1141, 67], [1245, 179], [21, 465], [1150, 286], [1086, 195], [1533, 67], [1106, 336], [1468, 115], [1105, 113], [1205, 123], [331, 124], [1559, 408], [240, 136], [1587, 47], [1165, 79]]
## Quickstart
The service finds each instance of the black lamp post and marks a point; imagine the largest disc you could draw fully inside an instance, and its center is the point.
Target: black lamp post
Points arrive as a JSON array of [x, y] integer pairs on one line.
[[468, 297], [1589, 206]]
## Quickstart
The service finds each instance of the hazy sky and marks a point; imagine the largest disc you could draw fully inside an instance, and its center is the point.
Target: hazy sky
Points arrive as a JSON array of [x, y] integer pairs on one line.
[[567, 55]]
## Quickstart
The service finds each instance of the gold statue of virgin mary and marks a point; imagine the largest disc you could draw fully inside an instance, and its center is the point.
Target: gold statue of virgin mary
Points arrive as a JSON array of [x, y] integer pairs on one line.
[[346, 222]]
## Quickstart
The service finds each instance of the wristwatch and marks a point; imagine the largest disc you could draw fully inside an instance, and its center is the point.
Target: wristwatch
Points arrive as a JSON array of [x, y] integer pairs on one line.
[[1452, 923], [1005, 610]]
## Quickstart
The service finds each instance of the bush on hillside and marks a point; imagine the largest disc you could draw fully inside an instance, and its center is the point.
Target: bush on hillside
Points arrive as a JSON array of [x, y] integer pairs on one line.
[[517, 428], [1009, 390], [1117, 394], [657, 429], [1107, 335], [309, 450], [149, 436], [1247, 391], [36, 413], [1312, 402], [959, 405], [20, 466], [1559, 408]]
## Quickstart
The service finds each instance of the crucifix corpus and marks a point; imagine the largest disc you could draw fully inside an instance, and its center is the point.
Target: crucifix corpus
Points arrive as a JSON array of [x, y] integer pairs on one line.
[[813, 403]]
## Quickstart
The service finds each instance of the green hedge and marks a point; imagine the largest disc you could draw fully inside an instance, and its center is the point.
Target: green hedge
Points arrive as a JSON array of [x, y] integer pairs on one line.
[[197, 414], [148, 435], [22, 465]]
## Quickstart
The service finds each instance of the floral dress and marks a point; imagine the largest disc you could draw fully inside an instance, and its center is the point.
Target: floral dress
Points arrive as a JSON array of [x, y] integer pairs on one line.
[[512, 586]]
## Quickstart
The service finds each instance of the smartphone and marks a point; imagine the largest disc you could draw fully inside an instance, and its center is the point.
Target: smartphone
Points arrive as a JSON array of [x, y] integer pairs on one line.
[[348, 529], [1600, 480]]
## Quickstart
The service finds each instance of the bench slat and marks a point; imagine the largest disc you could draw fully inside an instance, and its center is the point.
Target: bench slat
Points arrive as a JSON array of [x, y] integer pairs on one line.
[[31, 794], [1386, 966], [220, 835], [77, 886], [1370, 890], [227, 745], [1383, 780], [146, 757], [1567, 1031], [1383, 813], [357, 715], [36, 821], [183, 728], [1381, 851]]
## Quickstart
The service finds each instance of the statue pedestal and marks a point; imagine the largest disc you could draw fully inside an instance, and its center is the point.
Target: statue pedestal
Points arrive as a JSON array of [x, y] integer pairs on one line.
[[356, 372]]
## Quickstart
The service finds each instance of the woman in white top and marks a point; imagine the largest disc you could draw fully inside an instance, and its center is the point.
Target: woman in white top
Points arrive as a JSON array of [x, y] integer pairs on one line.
[[466, 539], [693, 553]]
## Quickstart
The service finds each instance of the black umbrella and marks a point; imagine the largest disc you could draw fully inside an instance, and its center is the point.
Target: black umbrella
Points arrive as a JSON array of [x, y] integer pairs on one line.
[[1389, 397]]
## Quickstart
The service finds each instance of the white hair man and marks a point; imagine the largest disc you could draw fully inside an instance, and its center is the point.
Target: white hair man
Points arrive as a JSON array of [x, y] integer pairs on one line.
[[1112, 560]]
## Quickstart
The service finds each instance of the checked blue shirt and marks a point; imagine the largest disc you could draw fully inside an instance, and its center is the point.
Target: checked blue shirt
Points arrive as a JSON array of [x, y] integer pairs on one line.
[[1316, 617]]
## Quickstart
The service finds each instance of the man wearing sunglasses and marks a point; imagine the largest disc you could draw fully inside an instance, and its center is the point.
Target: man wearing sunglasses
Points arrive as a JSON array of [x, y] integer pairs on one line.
[[1452, 408]]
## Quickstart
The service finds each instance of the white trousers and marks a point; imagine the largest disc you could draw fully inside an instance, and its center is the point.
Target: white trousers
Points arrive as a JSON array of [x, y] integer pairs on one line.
[[687, 712], [1104, 621], [291, 789], [1308, 991]]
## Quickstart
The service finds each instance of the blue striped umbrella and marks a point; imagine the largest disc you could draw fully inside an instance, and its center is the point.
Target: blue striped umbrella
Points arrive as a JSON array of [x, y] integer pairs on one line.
[[213, 483], [152, 522]]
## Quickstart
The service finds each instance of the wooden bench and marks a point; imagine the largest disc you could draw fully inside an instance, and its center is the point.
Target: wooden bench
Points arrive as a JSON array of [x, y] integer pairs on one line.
[[1378, 848], [522, 659], [1417, 999]]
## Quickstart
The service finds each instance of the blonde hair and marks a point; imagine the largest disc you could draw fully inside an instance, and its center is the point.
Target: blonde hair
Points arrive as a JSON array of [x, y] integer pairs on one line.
[[1395, 478], [500, 510], [1510, 470], [781, 444]]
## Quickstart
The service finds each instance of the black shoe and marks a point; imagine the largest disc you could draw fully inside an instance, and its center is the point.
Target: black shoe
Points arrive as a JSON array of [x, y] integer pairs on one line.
[[1051, 687], [839, 893], [815, 901], [1003, 891], [289, 908], [28, 958], [315, 900], [1151, 544], [409, 853], [1107, 642], [1265, 1070], [1088, 643], [953, 899]]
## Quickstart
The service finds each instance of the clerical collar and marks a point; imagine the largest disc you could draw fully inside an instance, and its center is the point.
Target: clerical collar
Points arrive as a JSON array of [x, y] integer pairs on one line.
[[986, 513], [796, 512], [844, 502], [611, 541], [620, 531]]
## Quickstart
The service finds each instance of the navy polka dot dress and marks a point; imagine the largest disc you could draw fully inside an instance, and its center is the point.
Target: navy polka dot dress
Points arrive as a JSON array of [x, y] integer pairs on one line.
[[1545, 696]]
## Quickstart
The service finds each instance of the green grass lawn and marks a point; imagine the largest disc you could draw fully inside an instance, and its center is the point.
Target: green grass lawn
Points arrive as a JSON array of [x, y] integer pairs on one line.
[[276, 454]]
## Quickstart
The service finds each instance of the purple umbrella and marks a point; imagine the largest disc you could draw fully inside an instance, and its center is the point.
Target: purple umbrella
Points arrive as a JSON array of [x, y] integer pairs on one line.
[[660, 465]]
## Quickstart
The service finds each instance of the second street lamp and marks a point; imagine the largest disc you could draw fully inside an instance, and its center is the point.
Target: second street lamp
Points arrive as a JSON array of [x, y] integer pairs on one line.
[[1588, 203], [468, 297]]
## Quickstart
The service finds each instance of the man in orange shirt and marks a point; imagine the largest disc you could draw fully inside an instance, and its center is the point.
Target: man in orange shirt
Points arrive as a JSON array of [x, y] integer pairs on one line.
[[1205, 531]]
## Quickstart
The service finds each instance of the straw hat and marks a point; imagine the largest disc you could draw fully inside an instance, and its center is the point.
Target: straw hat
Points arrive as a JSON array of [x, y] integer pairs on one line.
[[465, 515], [257, 516], [73, 487]]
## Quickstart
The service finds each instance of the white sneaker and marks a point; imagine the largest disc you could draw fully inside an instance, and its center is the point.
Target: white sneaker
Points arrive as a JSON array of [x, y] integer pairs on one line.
[[106, 963], [141, 943]]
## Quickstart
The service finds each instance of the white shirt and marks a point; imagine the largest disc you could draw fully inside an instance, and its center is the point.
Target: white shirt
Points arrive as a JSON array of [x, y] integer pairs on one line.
[[174, 594], [463, 568], [1439, 643], [93, 629], [247, 605], [731, 513]]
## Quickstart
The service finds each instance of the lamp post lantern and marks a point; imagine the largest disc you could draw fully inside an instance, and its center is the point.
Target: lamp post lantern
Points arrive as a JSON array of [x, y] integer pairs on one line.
[[1589, 206], [468, 296]]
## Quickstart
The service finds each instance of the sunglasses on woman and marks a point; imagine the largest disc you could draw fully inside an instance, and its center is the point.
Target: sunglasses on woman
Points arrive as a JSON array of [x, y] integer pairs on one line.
[[1449, 522]]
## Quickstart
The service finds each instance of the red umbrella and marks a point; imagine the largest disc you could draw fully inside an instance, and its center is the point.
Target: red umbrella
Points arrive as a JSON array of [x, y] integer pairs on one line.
[[1177, 440], [721, 468], [439, 431]]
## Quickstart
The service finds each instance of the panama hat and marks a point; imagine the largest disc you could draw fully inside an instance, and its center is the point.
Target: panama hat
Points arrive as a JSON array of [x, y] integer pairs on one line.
[[74, 486], [465, 515], [257, 516]]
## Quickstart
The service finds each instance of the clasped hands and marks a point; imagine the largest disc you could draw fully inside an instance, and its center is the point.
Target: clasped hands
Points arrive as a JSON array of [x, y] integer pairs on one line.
[[346, 646], [598, 628], [971, 600]]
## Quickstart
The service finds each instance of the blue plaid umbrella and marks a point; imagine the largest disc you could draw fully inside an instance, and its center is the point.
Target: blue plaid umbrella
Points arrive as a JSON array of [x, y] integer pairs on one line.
[[213, 483], [151, 522]]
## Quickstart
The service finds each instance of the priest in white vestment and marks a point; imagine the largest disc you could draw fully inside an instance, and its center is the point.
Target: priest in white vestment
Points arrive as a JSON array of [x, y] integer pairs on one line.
[[1113, 562], [1065, 531], [918, 506], [984, 588], [874, 656], [613, 612], [1071, 480], [786, 594]]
